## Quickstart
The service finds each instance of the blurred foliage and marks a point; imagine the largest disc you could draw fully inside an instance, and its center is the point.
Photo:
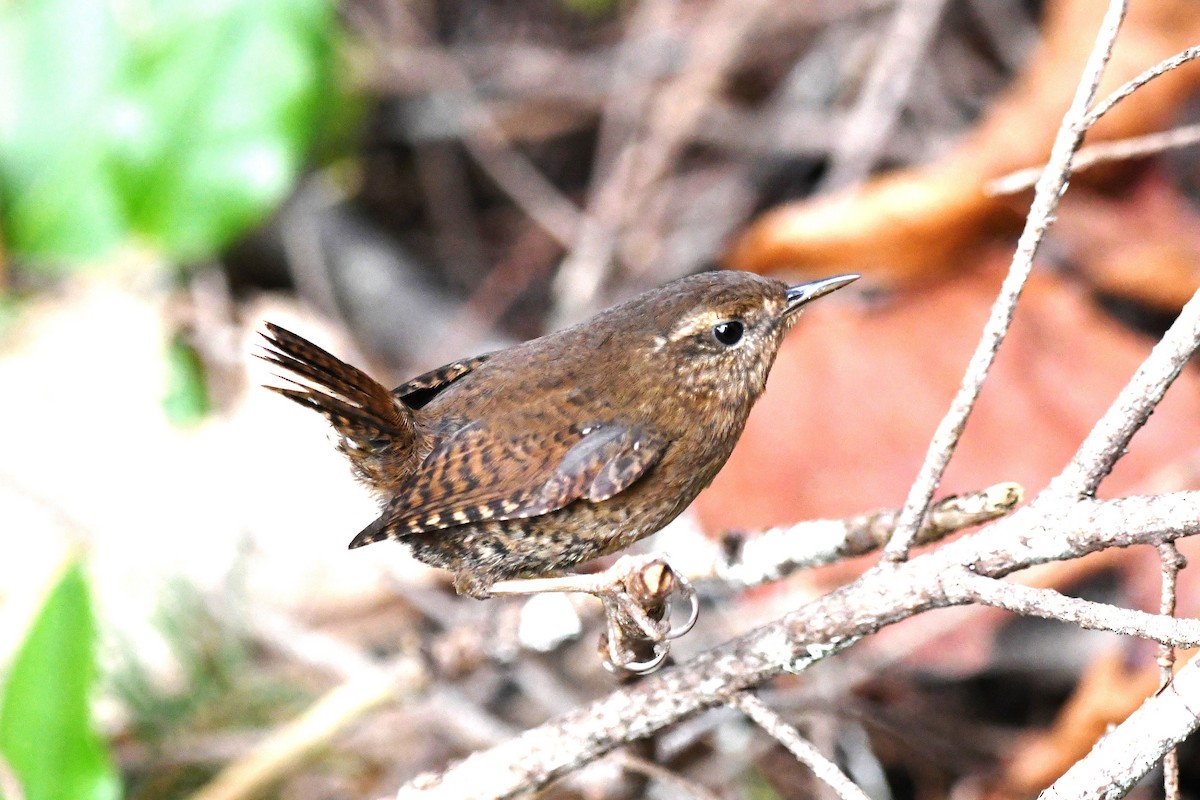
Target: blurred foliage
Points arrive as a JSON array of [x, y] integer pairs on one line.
[[175, 122], [46, 730], [9, 311], [755, 786], [592, 9], [187, 400], [222, 683]]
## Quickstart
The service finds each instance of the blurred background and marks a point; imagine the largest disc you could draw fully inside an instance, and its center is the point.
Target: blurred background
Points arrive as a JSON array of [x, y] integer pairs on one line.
[[407, 183]]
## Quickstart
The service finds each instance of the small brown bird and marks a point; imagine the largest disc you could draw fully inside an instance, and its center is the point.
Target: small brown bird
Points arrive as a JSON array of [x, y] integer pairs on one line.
[[528, 461]]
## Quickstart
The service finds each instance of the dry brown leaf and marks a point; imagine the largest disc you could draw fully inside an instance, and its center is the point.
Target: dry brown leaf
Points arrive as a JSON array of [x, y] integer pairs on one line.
[[1143, 245], [1109, 691], [913, 223]]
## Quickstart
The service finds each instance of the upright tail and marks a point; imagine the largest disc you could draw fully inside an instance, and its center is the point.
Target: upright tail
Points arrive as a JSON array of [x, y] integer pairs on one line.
[[376, 430]]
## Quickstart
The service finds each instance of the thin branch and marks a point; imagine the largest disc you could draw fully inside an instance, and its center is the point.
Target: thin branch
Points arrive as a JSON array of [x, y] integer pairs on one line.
[[664, 776], [300, 236], [720, 33], [1111, 434], [751, 560], [268, 760], [1171, 561], [631, 90], [1090, 155], [812, 633], [1129, 751], [484, 137], [1045, 201], [1049, 604], [516, 175], [1132, 85], [1121, 149], [797, 745], [869, 125]]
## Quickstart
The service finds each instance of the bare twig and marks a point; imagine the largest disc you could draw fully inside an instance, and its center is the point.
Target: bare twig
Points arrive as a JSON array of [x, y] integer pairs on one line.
[[868, 126], [664, 776], [1132, 85], [801, 638], [779, 552], [719, 33], [1130, 750], [1046, 196], [300, 235], [1172, 561], [1102, 153], [484, 137], [515, 174], [1049, 604], [1111, 434], [631, 88], [637, 65], [269, 759], [797, 745]]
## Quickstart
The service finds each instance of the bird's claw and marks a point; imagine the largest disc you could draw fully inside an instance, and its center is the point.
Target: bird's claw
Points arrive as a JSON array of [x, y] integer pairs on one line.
[[636, 592], [637, 604]]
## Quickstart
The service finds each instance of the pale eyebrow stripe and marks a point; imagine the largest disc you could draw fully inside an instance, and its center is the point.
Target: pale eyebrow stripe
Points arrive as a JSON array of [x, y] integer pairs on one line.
[[696, 323]]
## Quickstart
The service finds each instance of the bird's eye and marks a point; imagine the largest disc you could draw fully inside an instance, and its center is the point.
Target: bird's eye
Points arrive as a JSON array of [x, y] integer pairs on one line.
[[729, 333]]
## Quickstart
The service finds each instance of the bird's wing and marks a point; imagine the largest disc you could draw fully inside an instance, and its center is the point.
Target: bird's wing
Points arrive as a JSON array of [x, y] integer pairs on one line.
[[423, 388], [477, 474]]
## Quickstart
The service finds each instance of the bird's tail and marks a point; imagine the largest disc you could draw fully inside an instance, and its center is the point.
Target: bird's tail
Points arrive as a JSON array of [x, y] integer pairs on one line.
[[376, 430]]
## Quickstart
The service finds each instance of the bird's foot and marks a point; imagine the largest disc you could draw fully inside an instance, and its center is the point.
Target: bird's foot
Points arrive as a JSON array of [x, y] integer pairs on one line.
[[636, 592], [638, 613]]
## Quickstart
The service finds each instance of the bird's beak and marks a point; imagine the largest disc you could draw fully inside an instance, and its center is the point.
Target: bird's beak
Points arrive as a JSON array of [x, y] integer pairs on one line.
[[802, 294]]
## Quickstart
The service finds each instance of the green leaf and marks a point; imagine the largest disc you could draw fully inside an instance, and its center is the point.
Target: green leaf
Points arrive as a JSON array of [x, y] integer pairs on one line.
[[46, 730], [187, 401], [232, 92], [58, 59], [176, 122]]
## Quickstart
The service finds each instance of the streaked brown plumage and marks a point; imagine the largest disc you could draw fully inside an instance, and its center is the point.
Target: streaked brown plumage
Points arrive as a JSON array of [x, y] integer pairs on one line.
[[530, 460]]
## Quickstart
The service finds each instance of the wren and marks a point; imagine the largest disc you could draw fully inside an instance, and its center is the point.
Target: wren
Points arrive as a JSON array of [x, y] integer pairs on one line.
[[528, 461]]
